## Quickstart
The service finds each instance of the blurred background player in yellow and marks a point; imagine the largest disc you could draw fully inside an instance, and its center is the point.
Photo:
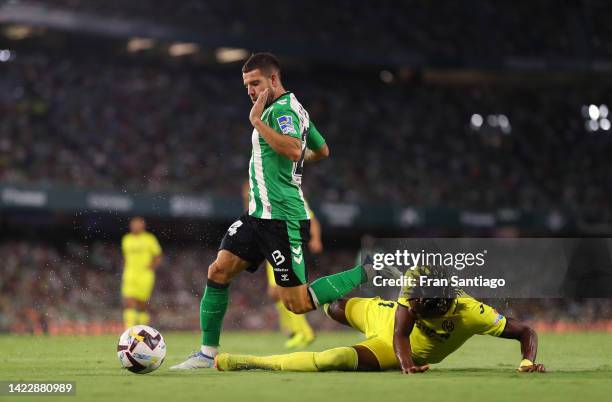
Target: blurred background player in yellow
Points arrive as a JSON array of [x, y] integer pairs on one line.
[[296, 325], [142, 255]]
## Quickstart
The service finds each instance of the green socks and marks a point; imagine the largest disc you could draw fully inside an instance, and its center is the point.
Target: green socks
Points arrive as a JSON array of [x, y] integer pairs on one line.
[[212, 310], [324, 290], [332, 287]]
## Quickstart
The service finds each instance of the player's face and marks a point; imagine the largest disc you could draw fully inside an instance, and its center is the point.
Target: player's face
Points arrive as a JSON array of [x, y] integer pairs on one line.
[[255, 82], [137, 225]]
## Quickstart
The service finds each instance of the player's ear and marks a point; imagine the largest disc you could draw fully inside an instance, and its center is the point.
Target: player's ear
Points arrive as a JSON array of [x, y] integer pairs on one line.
[[274, 79]]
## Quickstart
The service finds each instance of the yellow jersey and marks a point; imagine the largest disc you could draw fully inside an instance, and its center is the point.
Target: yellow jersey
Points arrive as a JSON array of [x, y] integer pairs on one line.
[[431, 340], [139, 250]]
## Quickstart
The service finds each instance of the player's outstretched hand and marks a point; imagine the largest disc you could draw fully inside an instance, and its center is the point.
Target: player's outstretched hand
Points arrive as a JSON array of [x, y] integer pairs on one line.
[[416, 369], [258, 107], [534, 368]]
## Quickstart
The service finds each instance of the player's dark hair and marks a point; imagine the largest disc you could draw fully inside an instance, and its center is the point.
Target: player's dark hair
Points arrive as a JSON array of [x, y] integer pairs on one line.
[[266, 62], [432, 301]]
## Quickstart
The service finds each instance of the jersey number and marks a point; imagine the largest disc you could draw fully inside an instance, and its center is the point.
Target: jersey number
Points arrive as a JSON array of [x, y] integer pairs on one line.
[[298, 167]]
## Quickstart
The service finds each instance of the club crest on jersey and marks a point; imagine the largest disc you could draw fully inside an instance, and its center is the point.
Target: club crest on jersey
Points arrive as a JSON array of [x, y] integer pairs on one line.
[[286, 124]]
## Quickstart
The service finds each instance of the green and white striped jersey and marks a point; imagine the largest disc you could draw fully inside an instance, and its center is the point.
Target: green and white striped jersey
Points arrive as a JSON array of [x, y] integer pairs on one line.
[[275, 181]]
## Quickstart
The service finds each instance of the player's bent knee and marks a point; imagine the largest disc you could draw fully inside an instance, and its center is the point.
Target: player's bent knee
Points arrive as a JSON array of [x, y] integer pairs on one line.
[[295, 308], [298, 306], [338, 359], [336, 311], [217, 274]]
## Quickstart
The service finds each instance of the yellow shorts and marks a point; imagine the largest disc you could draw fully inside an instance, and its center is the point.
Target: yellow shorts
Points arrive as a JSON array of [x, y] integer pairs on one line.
[[374, 317], [137, 284], [270, 275]]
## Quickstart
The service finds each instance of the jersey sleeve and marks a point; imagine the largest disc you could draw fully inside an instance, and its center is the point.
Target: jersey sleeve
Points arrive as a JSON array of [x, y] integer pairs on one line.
[[310, 211], [405, 290], [155, 247], [485, 320], [285, 121], [315, 140], [124, 244]]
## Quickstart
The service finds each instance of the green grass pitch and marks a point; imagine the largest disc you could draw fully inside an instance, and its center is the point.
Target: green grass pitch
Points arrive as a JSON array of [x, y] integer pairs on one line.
[[580, 368]]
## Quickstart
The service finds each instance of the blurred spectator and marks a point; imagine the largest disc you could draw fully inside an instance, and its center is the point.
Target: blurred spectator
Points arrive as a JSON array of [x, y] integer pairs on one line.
[[131, 126]]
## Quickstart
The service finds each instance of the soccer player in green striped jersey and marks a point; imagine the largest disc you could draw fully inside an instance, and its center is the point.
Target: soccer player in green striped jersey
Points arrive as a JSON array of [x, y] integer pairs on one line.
[[276, 226]]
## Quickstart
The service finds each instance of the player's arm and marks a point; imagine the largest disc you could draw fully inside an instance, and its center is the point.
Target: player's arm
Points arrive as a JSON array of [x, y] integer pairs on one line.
[[528, 338], [123, 250], [404, 323], [156, 251], [285, 145], [316, 149], [156, 262]]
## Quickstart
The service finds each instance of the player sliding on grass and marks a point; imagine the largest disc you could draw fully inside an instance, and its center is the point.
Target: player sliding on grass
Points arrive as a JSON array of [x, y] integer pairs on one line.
[[276, 227], [409, 334]]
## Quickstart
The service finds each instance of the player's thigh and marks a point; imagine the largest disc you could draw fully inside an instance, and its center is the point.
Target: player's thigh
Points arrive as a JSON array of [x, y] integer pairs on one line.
[[226, 266], [355, 312], [295, 298], [284, 244], [272, 287], [130, 283], [239, 250], [145, 288], [382, 351], [138, 286]]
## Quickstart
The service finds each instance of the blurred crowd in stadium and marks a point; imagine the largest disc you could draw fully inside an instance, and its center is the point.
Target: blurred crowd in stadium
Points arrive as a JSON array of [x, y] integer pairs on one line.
[[135, 126], [447, 31], [45, 287], [75, 287], [94, 118]]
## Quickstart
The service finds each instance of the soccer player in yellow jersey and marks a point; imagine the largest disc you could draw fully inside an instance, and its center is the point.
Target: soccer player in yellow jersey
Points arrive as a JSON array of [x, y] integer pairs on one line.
[[406, 335], [142, 255], [295, 324]]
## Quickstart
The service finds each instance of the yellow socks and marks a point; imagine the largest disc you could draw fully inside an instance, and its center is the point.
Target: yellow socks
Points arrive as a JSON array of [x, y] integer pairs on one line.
[[133, 317], [284, 317], [130, 317], [300, 325], [144, 318], [295, 324], [339, 359]]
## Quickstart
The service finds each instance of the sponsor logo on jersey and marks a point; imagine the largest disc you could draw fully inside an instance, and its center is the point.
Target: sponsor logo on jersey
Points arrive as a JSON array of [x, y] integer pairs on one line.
[[278, 257], [448, 325], [286, 124], [297, 254]]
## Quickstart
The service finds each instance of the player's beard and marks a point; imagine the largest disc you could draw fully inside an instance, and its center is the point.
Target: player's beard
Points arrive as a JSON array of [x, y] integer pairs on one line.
[[270, 96]]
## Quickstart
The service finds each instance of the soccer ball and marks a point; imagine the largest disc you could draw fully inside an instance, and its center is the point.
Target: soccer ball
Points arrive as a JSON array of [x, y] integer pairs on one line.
[[141, 349]]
